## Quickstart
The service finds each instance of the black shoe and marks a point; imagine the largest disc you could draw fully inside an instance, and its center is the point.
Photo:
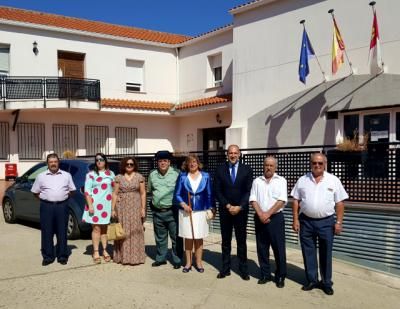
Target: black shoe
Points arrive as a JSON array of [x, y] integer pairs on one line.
[[177, 266], [186, 269], [47, 262], [157, 263], [222, 275], [328, 290], [280, 282], [245, 277], [263, 280], [310, 286], [63, 262], [199, 269]]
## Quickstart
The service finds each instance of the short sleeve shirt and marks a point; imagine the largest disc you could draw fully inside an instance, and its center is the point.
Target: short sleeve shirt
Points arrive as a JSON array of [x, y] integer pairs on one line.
[[53, 187], [318, 200], [267, 193], [162, 187]]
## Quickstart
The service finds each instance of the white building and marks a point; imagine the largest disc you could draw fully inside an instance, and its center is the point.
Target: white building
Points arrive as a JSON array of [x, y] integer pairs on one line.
[[145, 90], [93, 87]]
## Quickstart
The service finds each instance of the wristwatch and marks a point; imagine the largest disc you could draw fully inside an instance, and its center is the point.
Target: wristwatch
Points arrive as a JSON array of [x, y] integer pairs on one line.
[[339, 222]]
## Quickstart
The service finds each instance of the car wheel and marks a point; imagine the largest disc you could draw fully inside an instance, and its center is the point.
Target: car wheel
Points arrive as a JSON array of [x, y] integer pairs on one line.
[[73, 231], [9, 211]]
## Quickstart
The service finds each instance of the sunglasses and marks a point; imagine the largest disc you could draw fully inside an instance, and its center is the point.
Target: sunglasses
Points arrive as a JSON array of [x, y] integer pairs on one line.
[[100, 160], [317, 163], [130, 164]]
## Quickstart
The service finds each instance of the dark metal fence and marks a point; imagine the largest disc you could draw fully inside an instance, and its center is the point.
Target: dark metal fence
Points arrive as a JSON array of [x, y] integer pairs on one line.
[[47, 88], [371, 236]]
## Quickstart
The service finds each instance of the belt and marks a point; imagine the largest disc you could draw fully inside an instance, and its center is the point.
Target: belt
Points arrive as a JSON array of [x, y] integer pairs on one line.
[[162, 209], [55, 203], [314, 219]]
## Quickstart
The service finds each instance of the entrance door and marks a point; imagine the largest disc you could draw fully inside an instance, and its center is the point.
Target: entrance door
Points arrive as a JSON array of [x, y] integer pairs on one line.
[[377, 127], [71, 64], [214, 139]]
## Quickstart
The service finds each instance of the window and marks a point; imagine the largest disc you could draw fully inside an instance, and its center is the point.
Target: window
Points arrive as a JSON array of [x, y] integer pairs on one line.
[[65, 138], [350, 125], [125, 140], [96, 139], [215, 63], [398, 126], [4, 60], [31, 174], [134, 75], [4, 140], [31, 140]]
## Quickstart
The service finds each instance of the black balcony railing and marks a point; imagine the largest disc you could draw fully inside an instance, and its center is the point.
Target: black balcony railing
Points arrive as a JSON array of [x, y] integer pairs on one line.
[[49, 88]]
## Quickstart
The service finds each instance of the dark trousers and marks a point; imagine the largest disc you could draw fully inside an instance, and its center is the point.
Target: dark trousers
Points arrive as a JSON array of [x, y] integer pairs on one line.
[[272, 235], [239, 224], [165, 223], [54, 220], [311, 232]]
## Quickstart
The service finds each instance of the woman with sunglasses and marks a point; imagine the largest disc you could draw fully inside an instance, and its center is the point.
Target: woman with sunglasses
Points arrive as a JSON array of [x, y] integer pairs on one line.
[[129, 206], [98, 192]]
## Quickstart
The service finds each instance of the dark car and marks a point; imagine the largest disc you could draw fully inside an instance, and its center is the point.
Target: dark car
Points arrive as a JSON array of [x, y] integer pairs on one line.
[[20, 203]]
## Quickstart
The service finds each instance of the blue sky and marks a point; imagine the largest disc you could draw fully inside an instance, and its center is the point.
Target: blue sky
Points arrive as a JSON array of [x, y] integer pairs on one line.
[[190, 17]]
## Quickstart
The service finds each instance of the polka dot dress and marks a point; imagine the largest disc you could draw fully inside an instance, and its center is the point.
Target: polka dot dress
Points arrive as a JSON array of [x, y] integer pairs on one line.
[[99, 188]]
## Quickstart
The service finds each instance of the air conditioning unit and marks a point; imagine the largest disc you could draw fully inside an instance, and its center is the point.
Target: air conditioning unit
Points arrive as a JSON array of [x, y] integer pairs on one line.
[[218, 83]]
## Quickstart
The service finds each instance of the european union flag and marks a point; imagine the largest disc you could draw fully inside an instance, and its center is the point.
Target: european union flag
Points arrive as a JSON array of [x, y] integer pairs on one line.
[[306, 52]]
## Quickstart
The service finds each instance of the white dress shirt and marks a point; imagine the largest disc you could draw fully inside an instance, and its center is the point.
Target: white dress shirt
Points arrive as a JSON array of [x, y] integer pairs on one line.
[[267, 193], [318, 200]]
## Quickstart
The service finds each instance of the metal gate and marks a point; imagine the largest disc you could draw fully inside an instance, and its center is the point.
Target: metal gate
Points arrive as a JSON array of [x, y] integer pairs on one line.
[[31, 140], [65, 138], [96, 139], [4, 141]]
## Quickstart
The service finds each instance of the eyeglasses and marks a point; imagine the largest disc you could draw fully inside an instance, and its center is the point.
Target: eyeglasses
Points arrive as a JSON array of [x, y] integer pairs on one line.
[[130, 164], [317, 163], [100, 160]]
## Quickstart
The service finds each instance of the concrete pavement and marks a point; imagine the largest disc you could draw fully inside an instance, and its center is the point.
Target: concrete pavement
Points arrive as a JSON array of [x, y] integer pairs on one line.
[[24, 283]]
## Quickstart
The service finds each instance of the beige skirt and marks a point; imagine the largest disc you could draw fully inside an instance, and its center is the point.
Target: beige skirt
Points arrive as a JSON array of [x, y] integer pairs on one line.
[[200, 224]]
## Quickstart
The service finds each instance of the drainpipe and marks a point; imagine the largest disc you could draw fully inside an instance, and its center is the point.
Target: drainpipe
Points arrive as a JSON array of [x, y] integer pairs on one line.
[[177, 75]]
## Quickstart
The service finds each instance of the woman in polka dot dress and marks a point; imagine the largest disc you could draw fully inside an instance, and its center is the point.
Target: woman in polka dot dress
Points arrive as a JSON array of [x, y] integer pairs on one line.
[[98, 191]]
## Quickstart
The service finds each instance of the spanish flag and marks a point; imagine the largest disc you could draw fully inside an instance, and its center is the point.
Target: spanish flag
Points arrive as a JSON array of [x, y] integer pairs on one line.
[[337, 49], [375, 56]]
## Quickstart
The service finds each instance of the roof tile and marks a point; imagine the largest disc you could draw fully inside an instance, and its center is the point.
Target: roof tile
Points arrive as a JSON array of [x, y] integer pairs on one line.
[[59, 21], [205, 101], [133, 104]]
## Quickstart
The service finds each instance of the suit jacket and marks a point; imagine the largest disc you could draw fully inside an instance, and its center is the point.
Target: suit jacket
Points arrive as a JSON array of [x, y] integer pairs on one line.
[[202, 199], [237, 193]]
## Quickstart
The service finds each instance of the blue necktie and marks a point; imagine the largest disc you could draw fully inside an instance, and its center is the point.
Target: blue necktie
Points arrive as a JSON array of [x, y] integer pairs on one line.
[[233, 173]]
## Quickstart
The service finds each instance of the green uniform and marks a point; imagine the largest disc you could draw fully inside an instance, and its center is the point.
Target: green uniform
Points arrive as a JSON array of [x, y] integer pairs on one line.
[[164, 217]]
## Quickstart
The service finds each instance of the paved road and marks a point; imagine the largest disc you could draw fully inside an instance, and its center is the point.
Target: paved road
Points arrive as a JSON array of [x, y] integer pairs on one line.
[[24, 283]]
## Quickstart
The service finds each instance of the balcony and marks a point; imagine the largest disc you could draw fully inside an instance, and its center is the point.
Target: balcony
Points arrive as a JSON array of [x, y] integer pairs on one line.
[[61, 92]]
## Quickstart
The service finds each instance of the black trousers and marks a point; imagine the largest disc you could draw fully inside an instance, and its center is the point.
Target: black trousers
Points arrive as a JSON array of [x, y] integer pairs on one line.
[[268, 235], [239, 224], [54, 220]]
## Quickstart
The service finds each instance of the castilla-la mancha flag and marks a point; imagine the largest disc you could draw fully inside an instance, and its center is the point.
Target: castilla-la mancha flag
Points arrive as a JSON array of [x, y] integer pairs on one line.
[[337, 49], [375, 56]]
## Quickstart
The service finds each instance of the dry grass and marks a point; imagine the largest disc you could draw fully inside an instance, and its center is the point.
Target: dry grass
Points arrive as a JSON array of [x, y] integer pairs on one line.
[[356, 143]]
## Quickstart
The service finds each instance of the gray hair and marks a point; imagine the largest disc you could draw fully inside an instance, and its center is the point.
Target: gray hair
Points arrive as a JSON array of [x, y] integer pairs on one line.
[[272, 158], [318, 154]]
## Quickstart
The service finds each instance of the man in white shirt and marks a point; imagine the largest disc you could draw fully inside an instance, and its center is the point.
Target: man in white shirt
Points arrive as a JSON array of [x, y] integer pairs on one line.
[[268, 196], [318, 195]]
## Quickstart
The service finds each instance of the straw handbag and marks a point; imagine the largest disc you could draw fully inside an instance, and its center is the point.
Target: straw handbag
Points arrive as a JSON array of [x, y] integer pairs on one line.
[[115, 231]]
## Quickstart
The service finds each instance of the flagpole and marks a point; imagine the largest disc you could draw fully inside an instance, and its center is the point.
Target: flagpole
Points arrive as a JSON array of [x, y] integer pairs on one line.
[[372, 4], [302, 22], [345, 51]]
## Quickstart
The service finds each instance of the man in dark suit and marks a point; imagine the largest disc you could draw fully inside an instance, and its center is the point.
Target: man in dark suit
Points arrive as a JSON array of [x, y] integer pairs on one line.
[[233, 182]]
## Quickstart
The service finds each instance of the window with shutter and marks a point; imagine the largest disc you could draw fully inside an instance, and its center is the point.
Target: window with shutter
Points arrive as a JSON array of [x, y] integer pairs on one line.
[[134, 75], [71, 64]]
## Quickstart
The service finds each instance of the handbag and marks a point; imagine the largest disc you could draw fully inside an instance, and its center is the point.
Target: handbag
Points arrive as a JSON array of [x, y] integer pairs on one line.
[[209, 215], [115, 231]]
